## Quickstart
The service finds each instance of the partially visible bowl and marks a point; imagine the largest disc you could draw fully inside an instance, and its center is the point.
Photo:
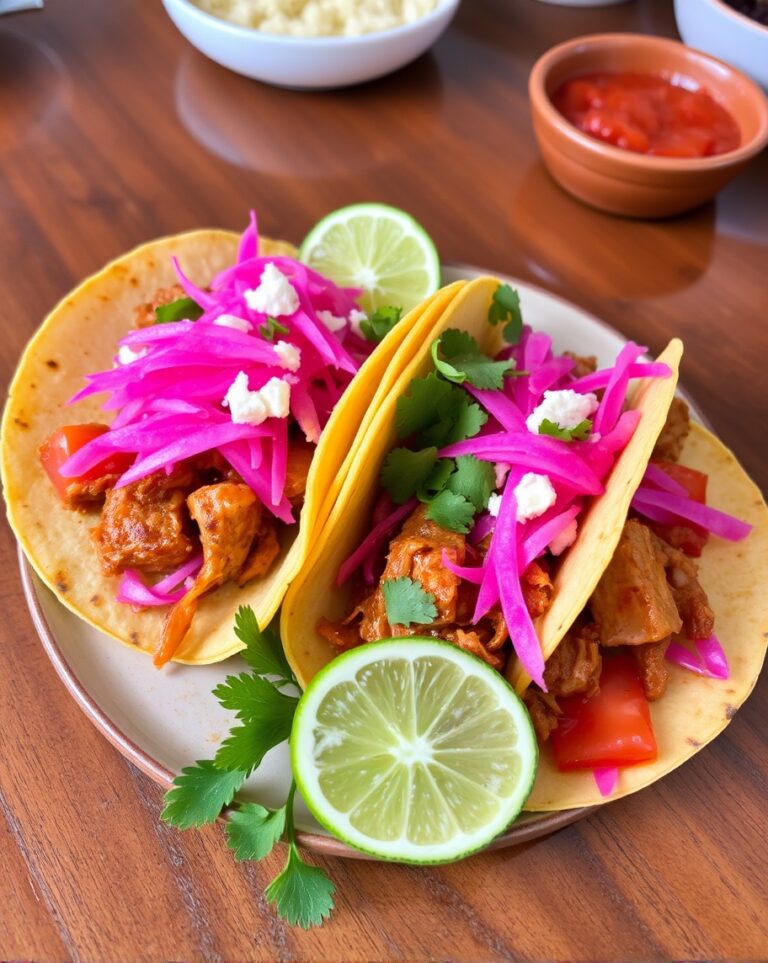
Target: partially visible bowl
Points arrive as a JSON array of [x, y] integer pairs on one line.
[[308, 62], [716, 28], [623, 182]]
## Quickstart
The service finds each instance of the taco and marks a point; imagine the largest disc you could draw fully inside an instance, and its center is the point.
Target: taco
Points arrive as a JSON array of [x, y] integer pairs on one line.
[[236, 379], [446, 527]]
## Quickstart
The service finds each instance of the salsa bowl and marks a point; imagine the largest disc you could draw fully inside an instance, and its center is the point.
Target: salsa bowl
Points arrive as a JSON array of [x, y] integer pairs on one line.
[[624, 182]]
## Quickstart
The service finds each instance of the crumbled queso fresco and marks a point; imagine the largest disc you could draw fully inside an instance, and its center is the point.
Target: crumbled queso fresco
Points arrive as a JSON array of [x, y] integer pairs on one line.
[[319, 18]]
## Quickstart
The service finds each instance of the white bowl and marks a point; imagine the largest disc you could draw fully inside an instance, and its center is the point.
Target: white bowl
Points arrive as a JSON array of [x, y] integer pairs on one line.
[[717, 29], [308, 62]]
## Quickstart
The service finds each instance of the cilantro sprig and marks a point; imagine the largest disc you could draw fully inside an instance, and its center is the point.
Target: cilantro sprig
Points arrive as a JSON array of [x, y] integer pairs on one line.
[[453, 489], [380, 323], [462, 360], [302, 894], [182, 309], [406, 471], [579, 432], [438, 412], [505, 307]]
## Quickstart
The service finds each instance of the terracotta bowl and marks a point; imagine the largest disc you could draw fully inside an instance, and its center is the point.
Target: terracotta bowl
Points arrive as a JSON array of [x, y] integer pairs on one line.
[[620, 181]]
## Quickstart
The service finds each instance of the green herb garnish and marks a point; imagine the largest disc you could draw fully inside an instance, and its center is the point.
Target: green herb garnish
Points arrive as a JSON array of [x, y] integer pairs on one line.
[[505, 307], [302, 894], [462, 360], [474, 480], [405, 472], [451, 511], [441, 413], [380, 323], [182, 309], [437, 480], [270, 328], [578, 433], [407, 603]]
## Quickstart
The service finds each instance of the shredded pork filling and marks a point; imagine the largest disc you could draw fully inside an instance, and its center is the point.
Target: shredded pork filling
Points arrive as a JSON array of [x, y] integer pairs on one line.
[[417, 552]]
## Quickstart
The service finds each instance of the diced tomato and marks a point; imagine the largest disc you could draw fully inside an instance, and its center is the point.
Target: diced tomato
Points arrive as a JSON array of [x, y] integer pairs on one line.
[[694, 482], [689, 538], [64, 442], [612, 728]]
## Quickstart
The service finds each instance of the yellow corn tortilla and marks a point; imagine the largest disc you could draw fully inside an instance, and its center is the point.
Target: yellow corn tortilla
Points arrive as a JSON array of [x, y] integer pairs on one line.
[[694, 709], [80, 336]]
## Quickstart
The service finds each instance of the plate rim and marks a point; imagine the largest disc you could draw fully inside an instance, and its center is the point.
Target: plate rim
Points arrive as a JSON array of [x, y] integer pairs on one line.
[[531, 827]]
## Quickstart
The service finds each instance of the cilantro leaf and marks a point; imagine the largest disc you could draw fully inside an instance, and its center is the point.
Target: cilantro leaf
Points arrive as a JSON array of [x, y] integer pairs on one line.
[[437, 480], [380, 323], [263, 650], [254, 699], [302, 894], [474, 479], [441, 412], [451, 511], [505, 306], [407, 603], [464, 361], [405, 471], [271, 327], [420, 407], [199, 794], [252, 830], [462, 421], [245, 747], [267, 715], [578, 433], [182, 309], [267, 723]]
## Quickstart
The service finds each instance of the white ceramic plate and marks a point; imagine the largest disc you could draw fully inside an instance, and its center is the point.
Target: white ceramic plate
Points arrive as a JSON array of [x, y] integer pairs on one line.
[[163, 721]]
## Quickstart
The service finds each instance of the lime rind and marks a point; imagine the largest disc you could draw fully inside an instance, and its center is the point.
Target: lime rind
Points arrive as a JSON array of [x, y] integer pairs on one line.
[[378, 248], [449, 801]]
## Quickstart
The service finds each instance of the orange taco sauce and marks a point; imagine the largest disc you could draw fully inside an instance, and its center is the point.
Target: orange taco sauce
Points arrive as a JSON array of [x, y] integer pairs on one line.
[[647, 114]]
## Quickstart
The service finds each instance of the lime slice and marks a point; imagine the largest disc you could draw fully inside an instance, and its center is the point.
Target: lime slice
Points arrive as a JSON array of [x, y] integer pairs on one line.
[[377, 248], [413, 750]]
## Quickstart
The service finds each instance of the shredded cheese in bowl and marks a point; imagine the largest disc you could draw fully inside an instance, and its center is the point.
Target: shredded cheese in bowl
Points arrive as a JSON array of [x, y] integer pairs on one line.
[[319, 18]]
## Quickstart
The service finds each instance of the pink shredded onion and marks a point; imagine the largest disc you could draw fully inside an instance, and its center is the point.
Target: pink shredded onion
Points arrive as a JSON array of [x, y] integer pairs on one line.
[[373, 540], [484, 525], [503, 558], [539, 536], [169, 399], [658, 478], [600, 379], [558, 459], [615, 393], [606, 778], [134, 591], [502, 408], [649, 502], [466, 572], [709, 658]]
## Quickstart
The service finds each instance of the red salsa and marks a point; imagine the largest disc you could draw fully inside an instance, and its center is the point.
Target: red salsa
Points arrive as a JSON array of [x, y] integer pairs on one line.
[[647, 114]]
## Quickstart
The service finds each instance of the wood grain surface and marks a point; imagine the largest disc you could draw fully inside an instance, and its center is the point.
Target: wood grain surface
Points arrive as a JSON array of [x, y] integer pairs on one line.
[[112, 131]]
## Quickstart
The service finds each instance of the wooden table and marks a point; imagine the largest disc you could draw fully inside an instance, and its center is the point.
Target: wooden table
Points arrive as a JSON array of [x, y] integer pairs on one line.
[[113, 130]]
